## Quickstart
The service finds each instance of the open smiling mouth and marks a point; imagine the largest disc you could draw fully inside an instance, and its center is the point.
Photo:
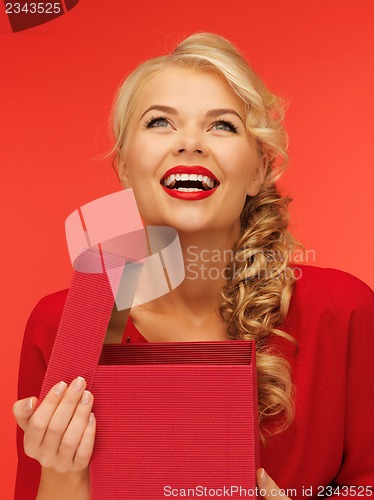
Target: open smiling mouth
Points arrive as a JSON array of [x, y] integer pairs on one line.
[[189, 183]]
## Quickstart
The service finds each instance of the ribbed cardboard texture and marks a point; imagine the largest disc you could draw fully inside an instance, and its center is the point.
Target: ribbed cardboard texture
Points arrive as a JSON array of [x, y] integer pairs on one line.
[[174, 415], [168, 414]]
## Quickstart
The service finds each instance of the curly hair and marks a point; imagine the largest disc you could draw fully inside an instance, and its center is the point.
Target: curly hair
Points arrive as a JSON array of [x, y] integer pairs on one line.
[[256, 299]]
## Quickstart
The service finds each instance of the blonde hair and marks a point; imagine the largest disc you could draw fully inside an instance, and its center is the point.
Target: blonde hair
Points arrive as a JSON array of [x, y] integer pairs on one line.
[[257, 295]]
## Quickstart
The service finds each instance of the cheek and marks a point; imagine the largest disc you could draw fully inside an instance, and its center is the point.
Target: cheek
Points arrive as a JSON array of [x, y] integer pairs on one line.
[[144, 157], [239, 164], [137, 164]]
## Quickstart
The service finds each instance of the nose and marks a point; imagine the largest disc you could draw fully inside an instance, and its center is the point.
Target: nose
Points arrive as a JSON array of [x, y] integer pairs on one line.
[[182, 150], [190, 144]]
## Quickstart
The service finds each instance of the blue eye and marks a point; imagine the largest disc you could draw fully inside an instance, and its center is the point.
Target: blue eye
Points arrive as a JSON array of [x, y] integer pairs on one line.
[[225, 125], [159, 122]]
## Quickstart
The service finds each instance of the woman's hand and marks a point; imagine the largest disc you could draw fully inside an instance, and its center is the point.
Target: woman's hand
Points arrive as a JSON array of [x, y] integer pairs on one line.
[[60, 433], [267, 487]]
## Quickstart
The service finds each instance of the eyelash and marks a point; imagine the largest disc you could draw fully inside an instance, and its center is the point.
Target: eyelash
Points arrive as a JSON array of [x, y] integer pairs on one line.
[[153, 120], [232, 127]]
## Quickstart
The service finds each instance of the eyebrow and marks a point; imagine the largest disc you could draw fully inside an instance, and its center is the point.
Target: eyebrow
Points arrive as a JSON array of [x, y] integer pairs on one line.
[[212, 113]]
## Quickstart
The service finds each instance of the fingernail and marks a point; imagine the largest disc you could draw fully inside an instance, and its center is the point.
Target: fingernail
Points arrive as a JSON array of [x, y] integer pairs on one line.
[[29, 404], [91, 420], [60, 387], [78, 383], [86, 398], [263, 476]]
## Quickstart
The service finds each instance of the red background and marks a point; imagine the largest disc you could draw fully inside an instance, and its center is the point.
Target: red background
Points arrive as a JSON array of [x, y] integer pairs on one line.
[[57, 85]]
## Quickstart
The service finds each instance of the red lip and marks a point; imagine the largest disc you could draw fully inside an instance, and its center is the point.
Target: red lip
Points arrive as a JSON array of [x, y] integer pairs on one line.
[[184, 195], [193, 195], [194, 169]]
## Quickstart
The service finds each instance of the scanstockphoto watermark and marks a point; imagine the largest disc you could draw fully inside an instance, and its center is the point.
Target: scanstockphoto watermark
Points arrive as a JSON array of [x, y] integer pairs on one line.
[[213, 264], [240, 491], [225, 491]]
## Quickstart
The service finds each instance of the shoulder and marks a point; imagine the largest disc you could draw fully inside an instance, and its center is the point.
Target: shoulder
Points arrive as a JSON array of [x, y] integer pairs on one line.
[[331, 286], [329, 297], [44, 319], [329, 307], [49, 308]]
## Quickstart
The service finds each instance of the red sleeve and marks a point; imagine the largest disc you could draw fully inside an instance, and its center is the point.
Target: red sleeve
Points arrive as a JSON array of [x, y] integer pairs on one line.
[[37, 345], [330, 443], [358, 459]]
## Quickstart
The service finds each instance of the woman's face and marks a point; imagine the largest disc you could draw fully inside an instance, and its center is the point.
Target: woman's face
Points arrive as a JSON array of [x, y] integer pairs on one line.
[[186, 121]]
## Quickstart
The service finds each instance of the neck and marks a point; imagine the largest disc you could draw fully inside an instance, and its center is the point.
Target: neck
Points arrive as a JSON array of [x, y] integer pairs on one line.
[[207, 257]]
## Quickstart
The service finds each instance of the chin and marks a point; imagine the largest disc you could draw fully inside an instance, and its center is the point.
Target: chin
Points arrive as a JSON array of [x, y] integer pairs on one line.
[[190, 229], [189, 222], [183, 227]]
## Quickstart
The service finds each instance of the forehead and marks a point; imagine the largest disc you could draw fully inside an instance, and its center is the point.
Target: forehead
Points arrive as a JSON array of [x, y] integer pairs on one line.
[[187, 89]]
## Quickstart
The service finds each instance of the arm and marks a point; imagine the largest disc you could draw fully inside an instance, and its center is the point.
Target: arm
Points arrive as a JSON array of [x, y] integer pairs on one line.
[[60, 435], [357, 467], [355, 476], [58, 486], [39, 429]]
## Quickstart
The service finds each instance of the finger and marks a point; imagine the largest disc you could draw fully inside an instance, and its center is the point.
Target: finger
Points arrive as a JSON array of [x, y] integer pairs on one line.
[[38, 423], [75, 430], [23, 410], [268, 487], [85, 448], [62, 415]]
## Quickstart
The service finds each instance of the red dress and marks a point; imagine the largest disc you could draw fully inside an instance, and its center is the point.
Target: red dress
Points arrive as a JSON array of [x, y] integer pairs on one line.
[[331, 441]]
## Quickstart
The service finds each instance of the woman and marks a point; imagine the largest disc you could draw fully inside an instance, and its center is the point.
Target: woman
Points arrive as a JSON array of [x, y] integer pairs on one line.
[[199, 140]]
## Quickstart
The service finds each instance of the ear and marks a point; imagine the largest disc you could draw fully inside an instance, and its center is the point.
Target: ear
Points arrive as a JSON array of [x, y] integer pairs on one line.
[[123, 175], [258, 178]]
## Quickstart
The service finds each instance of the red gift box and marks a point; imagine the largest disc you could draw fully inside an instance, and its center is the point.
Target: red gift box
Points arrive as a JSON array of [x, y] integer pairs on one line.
[[170, 416]]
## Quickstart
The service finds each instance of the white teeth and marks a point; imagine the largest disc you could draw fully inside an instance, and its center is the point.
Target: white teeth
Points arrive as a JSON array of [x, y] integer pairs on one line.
[[208, 182], [188, 190], [169, 180]]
